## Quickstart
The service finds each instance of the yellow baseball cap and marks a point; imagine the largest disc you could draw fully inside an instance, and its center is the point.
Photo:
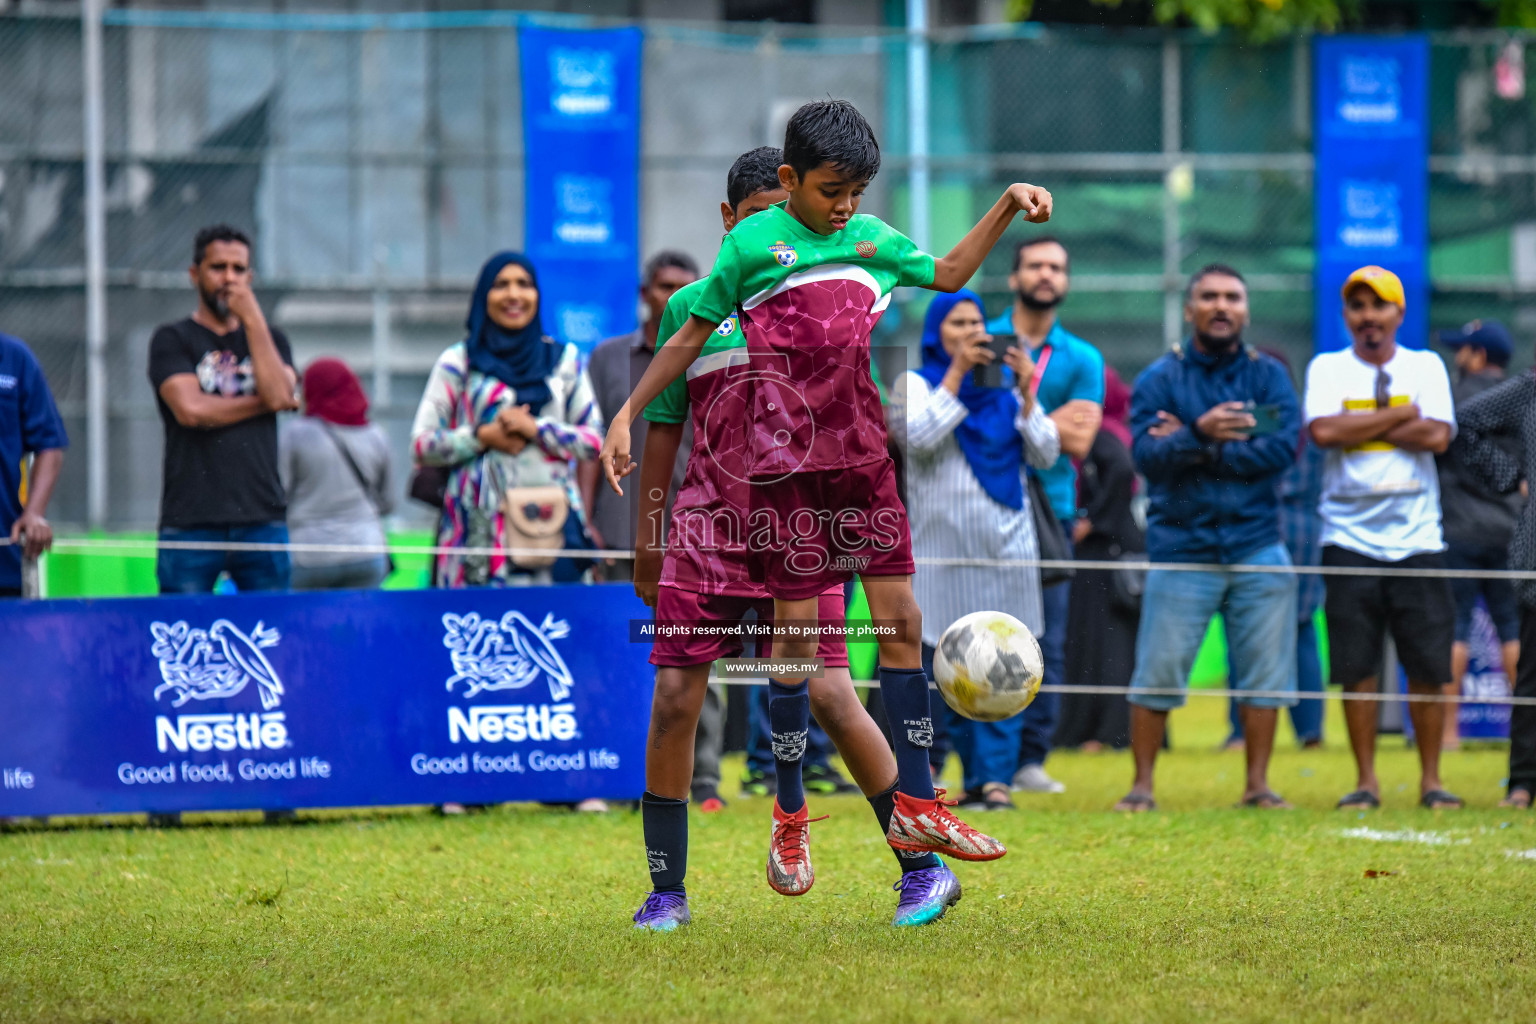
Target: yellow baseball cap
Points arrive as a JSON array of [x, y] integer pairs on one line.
[[1380, 280]]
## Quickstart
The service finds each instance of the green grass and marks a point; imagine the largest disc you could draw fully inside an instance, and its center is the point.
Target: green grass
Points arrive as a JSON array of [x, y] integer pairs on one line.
[[1199, 912]]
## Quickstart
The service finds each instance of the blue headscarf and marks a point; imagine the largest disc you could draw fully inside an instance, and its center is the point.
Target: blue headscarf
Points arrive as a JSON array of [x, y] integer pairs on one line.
[[523, 359], [987, 436]]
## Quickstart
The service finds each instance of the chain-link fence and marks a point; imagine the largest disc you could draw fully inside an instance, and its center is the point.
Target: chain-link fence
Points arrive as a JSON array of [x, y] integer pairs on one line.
[[377, 160]]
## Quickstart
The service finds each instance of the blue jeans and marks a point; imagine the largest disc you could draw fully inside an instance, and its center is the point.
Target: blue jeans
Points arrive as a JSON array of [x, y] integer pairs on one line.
[[1039, 719], [182, 571], [1260, 613], [988, 750], [1306, 715]]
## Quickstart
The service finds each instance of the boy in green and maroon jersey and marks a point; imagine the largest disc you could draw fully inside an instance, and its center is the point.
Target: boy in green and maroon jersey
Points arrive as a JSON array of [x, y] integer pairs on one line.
[[808, 280], [704, 579]]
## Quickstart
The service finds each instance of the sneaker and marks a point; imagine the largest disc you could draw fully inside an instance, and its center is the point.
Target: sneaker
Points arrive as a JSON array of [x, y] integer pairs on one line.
[[663, 912], [592, 805], [1032, 779], [708, 799], [823, 778], [756, 782], [927, 826], [925, 895], [789, 852]]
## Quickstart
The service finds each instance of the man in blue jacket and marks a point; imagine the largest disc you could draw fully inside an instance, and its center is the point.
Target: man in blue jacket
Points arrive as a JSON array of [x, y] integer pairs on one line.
[[1214, 426]]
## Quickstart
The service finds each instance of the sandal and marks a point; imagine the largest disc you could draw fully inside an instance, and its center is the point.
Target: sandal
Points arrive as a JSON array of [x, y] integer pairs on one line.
[[1136, 803], [1268, 800], [1519, 798], [1440, 800], [1360, 799], [996, 796]]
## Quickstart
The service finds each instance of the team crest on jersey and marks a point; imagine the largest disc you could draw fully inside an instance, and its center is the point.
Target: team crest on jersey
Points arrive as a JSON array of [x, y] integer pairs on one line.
[[865, 249], [727, 326], [784, 253]]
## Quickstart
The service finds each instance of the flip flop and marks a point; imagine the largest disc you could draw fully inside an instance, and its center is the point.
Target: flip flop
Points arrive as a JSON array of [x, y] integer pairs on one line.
[[1519, 803], [1136, 803], [1360, 799], [1440, 800], [1268, 800]]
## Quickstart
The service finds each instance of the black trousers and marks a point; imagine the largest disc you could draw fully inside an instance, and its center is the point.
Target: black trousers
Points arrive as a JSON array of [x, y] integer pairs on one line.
[[1522, 718]]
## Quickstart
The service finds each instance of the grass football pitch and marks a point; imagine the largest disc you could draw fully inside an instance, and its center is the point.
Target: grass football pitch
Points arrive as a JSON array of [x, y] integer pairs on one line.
[[1198, 912]]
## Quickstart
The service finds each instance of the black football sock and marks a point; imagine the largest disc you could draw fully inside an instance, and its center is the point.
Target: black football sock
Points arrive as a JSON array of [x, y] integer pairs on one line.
[[905, 691], [666, 840], [884, 804], [789, 717]]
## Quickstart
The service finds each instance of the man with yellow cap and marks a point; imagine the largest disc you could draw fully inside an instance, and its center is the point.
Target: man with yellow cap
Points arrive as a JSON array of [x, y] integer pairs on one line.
[[1382, 413]]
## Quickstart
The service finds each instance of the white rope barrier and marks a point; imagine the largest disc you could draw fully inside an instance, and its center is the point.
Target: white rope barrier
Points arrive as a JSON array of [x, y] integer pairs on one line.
[[149, 547]]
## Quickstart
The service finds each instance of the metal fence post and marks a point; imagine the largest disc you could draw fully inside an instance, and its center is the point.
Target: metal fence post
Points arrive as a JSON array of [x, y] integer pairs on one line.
[[31, 580], [917, 120], [1173, 312], [95, 267]]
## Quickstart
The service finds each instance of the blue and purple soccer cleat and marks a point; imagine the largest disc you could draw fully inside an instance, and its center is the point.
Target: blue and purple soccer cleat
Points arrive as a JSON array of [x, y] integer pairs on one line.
[[663, 912], [925, 895]]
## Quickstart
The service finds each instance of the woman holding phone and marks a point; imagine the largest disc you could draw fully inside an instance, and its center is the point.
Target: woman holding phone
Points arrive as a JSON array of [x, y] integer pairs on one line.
[[967, 447]]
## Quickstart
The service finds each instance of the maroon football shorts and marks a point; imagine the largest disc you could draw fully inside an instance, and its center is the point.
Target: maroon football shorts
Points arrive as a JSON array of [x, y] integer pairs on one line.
[[691, 642], [810, 532]]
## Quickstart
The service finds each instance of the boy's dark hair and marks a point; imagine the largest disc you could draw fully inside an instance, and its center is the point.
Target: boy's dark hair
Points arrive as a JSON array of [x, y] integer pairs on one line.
[[756, 170], [1030, 243], [831, 132], [216, 233], [1206, 271], [669, 258]]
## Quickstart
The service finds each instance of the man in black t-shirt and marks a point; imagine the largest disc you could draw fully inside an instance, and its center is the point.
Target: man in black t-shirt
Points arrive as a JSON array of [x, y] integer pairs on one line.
[[220, 378]]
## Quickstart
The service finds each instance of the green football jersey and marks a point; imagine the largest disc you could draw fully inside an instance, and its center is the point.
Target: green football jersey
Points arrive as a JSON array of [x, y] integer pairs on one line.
[[807, 304]]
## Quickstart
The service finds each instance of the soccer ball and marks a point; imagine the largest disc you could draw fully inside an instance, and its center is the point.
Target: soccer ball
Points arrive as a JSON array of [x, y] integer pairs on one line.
[[988, 666]]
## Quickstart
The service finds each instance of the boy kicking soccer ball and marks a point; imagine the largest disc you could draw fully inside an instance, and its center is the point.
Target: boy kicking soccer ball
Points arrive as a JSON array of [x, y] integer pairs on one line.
[[809, 279], [704, 580]]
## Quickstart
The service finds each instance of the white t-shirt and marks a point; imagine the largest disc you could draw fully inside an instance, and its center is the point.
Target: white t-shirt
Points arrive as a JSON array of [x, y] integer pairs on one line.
[[1379, 500]]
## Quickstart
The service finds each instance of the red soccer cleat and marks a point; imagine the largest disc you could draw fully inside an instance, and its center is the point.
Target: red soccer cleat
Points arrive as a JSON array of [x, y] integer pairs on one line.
[[927, 826], [789, 852]]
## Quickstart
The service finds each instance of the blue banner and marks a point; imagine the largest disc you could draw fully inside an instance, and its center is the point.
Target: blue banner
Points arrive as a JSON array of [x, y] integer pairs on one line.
[[1371, 133], [581, 144], [335, 699]]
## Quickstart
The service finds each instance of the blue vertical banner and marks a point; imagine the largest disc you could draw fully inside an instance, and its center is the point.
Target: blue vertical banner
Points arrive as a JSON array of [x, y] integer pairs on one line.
[[581, 140], [1371, 135]]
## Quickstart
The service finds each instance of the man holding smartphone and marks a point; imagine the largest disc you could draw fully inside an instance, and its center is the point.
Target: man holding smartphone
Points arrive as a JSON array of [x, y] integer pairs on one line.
[[1066, 376], [1214, 426]]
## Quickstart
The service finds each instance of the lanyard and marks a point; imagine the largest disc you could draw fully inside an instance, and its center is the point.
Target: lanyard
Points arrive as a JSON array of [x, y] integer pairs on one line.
[[1040, 365]]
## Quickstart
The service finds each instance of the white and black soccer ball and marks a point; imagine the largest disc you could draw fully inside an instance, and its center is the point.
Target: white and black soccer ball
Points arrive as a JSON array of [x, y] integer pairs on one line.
[[988, 666]]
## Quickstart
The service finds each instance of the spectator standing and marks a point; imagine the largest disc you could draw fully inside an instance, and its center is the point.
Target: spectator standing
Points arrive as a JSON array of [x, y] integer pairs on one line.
[[967, 447], [335, 469], [1110, 615], [1301, 488], [1212, 467], [221, 376], [1486, 423], [1383, 412], [506, 408], [29, 425], [1069, 384], [1478, 521], [615, 366]]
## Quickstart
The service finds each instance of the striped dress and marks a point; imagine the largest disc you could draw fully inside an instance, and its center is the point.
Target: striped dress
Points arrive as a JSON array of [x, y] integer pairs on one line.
[[456, 403], [953, 517]]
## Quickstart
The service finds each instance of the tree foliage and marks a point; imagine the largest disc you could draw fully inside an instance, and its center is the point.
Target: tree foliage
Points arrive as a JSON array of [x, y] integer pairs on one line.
[[1258, 19]]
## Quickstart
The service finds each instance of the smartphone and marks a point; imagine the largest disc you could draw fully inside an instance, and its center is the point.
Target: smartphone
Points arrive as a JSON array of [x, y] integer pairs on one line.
[[1266, 419], [995, 374]]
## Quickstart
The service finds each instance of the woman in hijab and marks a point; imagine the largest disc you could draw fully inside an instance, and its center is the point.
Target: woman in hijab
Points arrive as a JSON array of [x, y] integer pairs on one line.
[[334, 466], [967, 447], [1100, 611], [507, 411]]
